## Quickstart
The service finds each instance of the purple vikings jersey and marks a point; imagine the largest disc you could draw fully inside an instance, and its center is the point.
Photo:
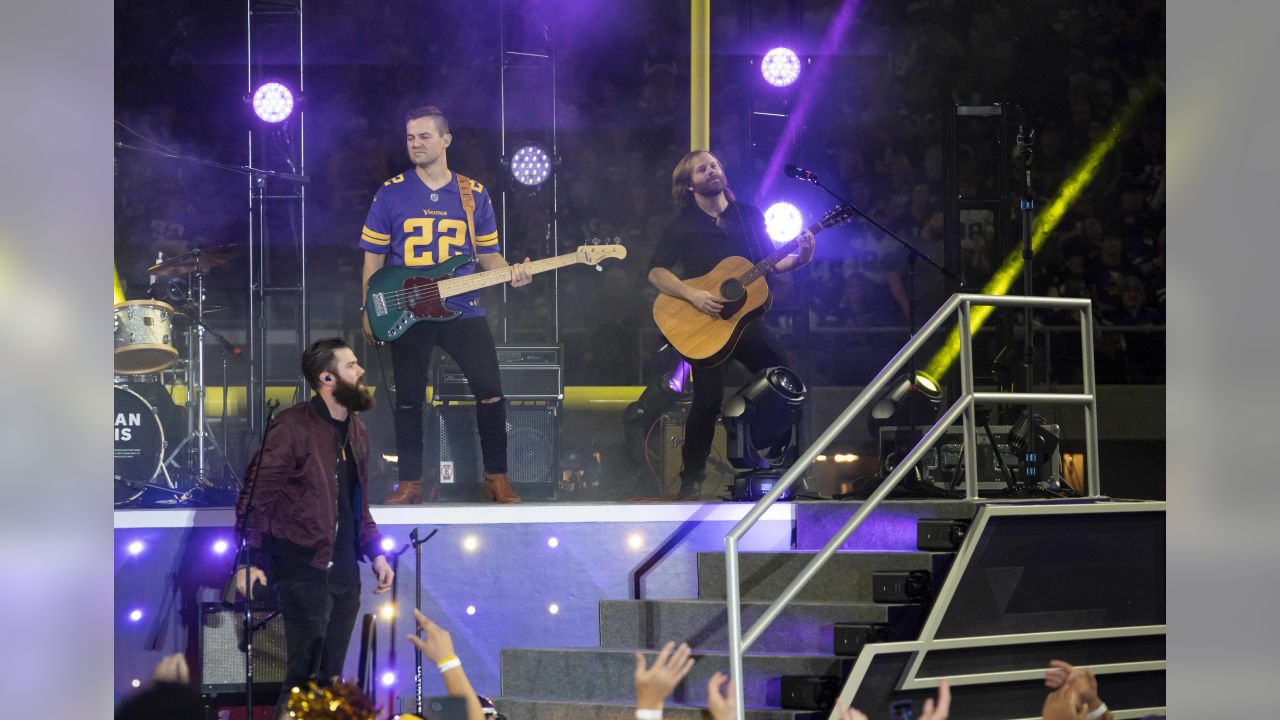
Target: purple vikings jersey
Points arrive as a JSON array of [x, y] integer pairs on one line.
[[420, 227]]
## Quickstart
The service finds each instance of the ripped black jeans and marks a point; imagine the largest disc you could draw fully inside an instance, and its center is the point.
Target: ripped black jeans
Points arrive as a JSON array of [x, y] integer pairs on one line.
[[470, 343]]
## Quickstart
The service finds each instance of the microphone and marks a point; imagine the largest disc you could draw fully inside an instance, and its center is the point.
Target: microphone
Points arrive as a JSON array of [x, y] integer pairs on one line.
[[800, 173]]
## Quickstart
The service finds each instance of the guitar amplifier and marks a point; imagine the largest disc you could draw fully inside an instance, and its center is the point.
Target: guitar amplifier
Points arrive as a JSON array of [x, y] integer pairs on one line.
[[533, 451], [222, 653], [528, 373]]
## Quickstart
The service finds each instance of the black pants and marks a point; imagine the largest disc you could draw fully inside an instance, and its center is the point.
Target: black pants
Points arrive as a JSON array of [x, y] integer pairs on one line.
[[470, 343], [757, 349], [318, 619]]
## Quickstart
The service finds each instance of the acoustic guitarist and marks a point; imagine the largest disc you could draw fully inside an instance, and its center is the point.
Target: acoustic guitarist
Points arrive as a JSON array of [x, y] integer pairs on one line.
[[419, 218], [710, 226]]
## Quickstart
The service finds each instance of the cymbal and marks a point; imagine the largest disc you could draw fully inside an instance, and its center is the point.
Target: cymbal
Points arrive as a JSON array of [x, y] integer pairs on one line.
[[190, 309], [197, 259]]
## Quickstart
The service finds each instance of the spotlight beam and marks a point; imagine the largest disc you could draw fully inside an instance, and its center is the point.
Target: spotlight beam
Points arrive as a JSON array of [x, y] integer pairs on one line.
[[1068, 193], [831, 44]]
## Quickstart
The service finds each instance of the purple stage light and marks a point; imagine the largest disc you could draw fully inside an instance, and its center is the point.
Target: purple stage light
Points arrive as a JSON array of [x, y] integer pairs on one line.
[[783, 222], [471, 609], [135, 616], [388, 679], [273, 102], [553, 542], [220, 546], [388, 544], [531, 165], [679, 377], [136, 547], [780, 67]]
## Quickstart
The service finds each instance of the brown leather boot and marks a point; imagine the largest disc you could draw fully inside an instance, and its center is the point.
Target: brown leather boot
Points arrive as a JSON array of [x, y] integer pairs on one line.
[[498, 489], [407, 492]]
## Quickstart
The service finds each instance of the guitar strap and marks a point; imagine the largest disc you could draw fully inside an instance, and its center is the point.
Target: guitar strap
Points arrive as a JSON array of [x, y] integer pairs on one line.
[[469, 206]]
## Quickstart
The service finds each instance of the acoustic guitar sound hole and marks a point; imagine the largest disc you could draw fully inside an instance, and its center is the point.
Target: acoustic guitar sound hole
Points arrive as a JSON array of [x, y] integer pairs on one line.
[[731, 290]]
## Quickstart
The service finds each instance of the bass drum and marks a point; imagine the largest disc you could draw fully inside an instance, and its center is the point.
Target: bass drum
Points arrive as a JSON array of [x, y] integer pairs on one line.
[[139, 445]]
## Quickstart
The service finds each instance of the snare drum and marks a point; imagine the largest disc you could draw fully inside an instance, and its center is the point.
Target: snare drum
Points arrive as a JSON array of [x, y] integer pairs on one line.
[[139, 444], [142, 337]]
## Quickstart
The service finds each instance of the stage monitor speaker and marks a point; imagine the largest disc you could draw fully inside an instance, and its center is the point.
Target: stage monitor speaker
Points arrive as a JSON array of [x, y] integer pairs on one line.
[[222, 651], [809, 692], [533, 451]]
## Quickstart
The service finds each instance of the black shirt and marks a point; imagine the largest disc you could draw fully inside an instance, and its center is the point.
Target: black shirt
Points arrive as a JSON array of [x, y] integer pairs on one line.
[[294, 566], [696, 242]]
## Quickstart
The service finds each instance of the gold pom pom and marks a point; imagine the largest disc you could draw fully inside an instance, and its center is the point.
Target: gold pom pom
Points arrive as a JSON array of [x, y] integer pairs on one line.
[[338, 701]]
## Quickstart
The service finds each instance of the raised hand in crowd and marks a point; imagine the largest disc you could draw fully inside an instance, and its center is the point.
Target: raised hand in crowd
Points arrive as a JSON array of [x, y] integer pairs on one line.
[[437, 645], [933, 709], [721, 699], [1064, 704], [172, 669], [654, 684], [1064, 674]]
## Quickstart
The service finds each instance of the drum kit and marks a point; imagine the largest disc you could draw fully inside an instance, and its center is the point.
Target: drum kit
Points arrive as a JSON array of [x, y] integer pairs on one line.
[[148, 453]]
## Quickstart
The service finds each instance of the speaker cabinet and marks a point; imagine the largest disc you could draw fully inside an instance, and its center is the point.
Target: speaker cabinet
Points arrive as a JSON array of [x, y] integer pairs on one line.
[[222, 654], [533, 451], [670, 439]]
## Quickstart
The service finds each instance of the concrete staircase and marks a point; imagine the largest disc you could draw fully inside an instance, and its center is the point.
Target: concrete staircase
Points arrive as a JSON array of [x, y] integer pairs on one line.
[[597, 683]]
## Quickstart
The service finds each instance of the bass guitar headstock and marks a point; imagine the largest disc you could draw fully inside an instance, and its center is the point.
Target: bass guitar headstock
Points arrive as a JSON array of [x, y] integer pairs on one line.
[[599, 251]]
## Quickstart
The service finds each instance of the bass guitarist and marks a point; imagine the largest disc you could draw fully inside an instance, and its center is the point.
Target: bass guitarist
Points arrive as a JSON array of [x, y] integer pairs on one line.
[[709, 227], [419, 218]]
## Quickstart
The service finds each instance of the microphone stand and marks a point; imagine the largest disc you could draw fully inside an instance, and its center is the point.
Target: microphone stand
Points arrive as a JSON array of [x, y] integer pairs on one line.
[[242, 556], [913, 253], [1026, 142], [395, 613], [417, 604]]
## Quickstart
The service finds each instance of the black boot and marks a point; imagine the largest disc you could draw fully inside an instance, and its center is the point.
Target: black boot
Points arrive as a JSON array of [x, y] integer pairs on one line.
[[690, 485]]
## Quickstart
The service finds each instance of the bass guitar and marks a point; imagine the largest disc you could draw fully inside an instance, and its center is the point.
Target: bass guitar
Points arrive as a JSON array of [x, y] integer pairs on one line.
[[708, 339], [400, 296]]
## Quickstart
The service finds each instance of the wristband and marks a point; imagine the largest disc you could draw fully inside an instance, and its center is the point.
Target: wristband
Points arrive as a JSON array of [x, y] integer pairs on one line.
[[448, 664], [1097, 712], [646, 714]]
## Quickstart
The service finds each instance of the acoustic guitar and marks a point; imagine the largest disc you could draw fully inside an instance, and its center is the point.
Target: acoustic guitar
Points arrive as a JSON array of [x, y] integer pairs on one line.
[[706, 339], [400, 296]]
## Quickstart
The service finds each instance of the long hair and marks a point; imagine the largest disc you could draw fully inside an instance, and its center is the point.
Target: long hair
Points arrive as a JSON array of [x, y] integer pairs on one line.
[[682, 176]]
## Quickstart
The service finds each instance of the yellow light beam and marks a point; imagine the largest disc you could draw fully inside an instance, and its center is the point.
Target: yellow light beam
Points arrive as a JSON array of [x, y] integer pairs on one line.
[[119, 291], [700, 75], [1068, 193]]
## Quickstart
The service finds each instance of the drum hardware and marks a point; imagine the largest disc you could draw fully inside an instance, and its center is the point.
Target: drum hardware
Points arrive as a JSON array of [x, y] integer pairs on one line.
[[139, 447], [143, 336], [196, 261], [194, 264]]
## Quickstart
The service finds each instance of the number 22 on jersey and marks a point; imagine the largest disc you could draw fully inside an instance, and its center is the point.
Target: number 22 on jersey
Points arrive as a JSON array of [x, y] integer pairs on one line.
[[421, 248]]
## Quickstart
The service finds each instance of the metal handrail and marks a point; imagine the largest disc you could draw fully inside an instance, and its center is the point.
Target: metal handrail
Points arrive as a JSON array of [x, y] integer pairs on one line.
[[963, 408]]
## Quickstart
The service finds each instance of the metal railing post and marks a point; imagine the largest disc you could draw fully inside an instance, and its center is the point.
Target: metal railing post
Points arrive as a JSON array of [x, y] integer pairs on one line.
[[1093, 484], [732, 593], [970, 414]]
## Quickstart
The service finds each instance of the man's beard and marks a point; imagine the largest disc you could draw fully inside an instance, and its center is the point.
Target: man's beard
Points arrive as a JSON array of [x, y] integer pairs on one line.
[[352, 396], [709, 188]]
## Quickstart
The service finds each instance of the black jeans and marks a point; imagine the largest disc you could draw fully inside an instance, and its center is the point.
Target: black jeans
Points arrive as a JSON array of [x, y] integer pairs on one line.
[[757, 349], [318, 619], [470, 343]]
